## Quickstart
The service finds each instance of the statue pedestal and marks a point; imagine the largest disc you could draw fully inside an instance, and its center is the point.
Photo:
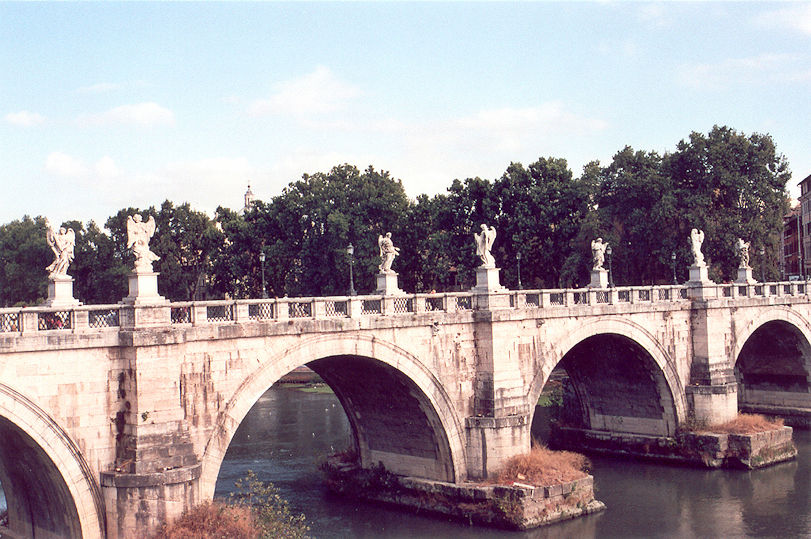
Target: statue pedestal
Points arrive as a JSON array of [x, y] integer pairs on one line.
[[745, 276], [599, 278], [387, 285], [698, 274], [143, 289], [487, 281], [60, 292]]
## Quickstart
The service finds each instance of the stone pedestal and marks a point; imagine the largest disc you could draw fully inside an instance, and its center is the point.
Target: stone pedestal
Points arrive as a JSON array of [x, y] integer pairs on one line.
[[698, 274], [60, 292], [144, 289], [387, 285], [487, 281], [599, 278], [745, 276]]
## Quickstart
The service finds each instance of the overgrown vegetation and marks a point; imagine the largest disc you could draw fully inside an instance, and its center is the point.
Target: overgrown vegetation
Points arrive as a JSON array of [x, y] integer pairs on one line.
[[747, 424], [543, 466], [212, 519], [255, 510]]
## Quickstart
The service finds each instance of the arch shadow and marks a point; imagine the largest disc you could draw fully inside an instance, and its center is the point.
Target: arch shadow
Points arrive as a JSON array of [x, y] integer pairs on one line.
[[772, 362], [343, 351], [50, 489], [634, 334]]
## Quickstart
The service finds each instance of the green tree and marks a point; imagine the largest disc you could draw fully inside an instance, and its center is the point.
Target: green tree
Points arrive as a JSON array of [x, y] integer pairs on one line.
[[637, 215], [307, 228], [540, 210], [731, 185], [100, 276], [186, 241], [24, 255]]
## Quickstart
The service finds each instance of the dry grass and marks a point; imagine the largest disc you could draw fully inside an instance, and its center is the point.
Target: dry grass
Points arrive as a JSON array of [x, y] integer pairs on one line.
[[542, 466], [747, 424], [212, 520]]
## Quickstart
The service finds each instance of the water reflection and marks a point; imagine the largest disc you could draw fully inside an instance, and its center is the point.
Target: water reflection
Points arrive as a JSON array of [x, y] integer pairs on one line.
[[286, 434]]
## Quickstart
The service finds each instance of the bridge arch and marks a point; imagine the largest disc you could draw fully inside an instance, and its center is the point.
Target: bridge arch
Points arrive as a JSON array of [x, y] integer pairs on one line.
[[772, 362], [50, 489], [635, 339], [385, 360]]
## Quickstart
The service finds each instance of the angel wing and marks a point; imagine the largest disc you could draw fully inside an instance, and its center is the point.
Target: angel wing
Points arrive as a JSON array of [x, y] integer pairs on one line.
[[71, 236], [132, 231], [491, 237], [149, 226], [51, 238]]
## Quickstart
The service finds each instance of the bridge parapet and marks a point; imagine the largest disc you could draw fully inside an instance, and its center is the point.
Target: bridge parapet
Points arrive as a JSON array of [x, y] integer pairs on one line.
[[82, 318]]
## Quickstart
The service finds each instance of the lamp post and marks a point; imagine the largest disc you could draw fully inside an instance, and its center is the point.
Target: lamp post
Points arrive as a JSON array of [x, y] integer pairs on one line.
[[608, 251], [350, 250], [518, 258], [262, 261], [673, 262], [762, 265]]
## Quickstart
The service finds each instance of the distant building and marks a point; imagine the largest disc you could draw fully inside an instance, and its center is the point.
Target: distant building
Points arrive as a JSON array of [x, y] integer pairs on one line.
[[790, 242], [805, 225], [249, 200]]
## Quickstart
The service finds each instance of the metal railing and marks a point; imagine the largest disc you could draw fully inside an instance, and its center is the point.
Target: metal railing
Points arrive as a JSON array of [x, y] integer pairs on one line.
[[99, 317]]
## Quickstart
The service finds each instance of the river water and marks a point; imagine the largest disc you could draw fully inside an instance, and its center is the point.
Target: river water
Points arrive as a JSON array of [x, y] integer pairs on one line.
[[288, 431]]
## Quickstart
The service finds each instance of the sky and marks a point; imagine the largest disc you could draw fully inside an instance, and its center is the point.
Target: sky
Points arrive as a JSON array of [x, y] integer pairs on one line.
[[110, 105]]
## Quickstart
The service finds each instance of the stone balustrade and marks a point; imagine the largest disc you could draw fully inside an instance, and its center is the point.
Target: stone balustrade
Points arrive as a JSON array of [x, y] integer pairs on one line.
[[99, 317]]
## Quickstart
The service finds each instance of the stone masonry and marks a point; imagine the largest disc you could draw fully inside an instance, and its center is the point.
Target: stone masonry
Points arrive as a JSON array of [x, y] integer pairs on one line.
[[130, 408]]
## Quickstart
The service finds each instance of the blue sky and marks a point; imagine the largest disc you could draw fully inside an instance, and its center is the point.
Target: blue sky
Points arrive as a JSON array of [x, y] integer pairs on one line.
[[108, 105]]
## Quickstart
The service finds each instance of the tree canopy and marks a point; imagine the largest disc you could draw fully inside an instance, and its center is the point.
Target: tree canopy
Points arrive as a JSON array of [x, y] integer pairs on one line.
[[643, 204]]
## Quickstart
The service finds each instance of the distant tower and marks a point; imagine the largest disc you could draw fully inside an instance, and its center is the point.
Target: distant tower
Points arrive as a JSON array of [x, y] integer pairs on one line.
[[248, 200]]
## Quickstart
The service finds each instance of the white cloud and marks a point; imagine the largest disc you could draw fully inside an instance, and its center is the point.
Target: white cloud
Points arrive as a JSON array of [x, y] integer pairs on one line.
[[24, 118], [318, 92], [105, 168], [142, 114], [761, 69], [65, 166], [795, 17]]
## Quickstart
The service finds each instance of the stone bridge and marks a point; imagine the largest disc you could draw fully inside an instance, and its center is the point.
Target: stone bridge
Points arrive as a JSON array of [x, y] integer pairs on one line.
[[116, 417]]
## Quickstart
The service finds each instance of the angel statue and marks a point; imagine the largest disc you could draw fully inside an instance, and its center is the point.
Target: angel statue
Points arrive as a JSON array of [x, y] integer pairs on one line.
[[598, 247], [387, 252], [696, 239], [743, 252], [138, 236], [62, 244], [484, 243]]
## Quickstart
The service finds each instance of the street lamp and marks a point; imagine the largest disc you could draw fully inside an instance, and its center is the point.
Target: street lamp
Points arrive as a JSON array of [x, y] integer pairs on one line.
[[762, 265], [608, 251], [518, 258], [673, 262], [350, 250], [262, 260]]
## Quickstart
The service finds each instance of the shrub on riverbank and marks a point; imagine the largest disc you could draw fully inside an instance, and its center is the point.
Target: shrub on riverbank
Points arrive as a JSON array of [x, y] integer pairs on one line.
[[747, 424], [254, 510], [212, 519], [542, 466]]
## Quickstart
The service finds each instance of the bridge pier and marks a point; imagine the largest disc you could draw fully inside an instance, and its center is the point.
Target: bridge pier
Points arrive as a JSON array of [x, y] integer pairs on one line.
[[712, 395], [500, 428]]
